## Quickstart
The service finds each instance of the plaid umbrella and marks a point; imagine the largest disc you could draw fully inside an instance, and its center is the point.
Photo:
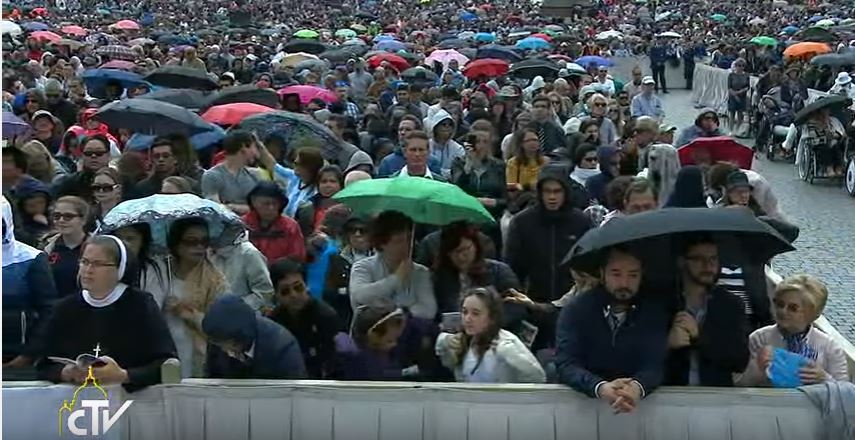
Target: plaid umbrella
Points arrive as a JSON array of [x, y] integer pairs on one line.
[[117, 52]]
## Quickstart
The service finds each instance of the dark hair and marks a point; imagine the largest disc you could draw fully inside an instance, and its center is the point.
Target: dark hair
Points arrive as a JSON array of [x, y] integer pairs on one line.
[[415, 134], [311, 159], [639, 185], [587, 122], [236, 140], [615, 190], [581, 151], [338, 120], [161, 142], [493, 301], [18, 157], [541, 98], [517, 141], [691, 240], [449, 239], [179, 227], [131, 275], [95, 137], [368, 317], [284, 267], [332, 169], [410, 117], [387, 224]]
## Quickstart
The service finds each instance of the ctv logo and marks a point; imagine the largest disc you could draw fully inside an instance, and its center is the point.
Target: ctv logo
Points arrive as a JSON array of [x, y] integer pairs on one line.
[[100, 419]]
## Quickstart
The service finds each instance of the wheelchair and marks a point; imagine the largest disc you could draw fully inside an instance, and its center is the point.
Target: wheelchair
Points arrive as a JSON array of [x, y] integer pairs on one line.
[[814, 159]]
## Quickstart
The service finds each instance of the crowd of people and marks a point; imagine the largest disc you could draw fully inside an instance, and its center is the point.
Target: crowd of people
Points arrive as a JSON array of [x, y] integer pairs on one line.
[[552, 150]]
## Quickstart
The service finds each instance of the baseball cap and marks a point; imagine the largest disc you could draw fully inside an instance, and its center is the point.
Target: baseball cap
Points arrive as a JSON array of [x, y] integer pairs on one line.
[[648, 80], [665, 128]]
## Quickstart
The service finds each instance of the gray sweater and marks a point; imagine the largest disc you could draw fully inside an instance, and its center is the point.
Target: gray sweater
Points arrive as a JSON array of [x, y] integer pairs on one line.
[[371, 280]]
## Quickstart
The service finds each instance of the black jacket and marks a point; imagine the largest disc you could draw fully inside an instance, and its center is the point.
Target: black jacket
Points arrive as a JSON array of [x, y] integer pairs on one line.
[[722, 346], [539, 239]]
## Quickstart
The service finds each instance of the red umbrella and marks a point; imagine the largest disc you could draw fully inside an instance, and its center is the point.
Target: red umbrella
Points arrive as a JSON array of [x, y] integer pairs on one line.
[[46, 36], [119, 64], [38, 12], [396, 61], [308, 93], [74, 30], [232, 114], [489, 67], [543, 37], [716, 149], [127, 25]]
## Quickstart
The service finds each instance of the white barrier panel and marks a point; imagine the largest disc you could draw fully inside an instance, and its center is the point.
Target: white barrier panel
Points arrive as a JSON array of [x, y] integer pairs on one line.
[[309, 410], [710, 88]]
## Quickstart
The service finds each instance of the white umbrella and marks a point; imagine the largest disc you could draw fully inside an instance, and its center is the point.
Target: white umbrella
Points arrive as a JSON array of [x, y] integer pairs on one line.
[[669, 34], [466, 35], [626, 27], [9, 27], [608, 35], [756, 21], [662, 16], [780, 3], [573, 67], [825, 23]]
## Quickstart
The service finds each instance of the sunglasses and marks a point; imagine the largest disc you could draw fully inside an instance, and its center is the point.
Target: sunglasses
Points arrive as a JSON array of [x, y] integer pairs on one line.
[[94, 154], [600, 104], [103, 188], [67, 216]]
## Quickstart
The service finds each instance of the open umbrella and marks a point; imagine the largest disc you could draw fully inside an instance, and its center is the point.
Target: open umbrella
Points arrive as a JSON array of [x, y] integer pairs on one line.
[[486, 67], [149, 116], [716, 149], [142, 42], [542, 36], [306, 33], [187, 98], [765, 41], [466, 35], [77, 31], [829, 102], [292, 59], [806, 49], [358, 27], [468, 16], [498, 52], [35, 26], [390, 46], [718, 17], [97, 79], [423, 200], [834, 59], [69, 43], [338, 55], [593, 59], [656, 237], [452, 43], [609, 35], [345, 33], [825, 23], [13, 126], [355, 42], [161, 210], [669, 34], [178, 77], [46, 36], [232, 114], [395, 60], [531, 68], [199, 141], [119, 64], [294, 129], [485, 37], [817, 35], [10, 28], [308, 93], [446, 56], [420, 76], [127, 25], [304, 45], [245, 93], [117, 52], [789, 30], [532, 43]]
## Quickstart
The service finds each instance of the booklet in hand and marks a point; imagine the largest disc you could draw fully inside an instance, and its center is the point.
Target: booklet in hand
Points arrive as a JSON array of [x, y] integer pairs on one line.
[[83, 361]]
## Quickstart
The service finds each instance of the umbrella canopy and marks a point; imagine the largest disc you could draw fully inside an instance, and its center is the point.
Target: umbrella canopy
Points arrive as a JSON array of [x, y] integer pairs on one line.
[[187, 98], [446, 56], [119, 64], [294, 129], [829, 101], [117, 52], [292, 59], [200, 141], [35, 26], [338, 55], [161, 210], [345, 33], [245, 93], [46, 36], [498, 52], [142, 42], [127, 25], [13, 126], [817, 35], [765, 41], [178, 77], [466, 35], [395, 60], [531, 68], [306, 33], [77, 31], [308, 93], [718, 17], [716, 149], [97, 79], [149, 116], [355, 42], [232, 114], [318, 66], [593, 59], [358, 27], [390, 46], [484, 37], [834, 59], [656, 237], [486, 67], [789, 30], [532, 43], [10, 28], [452, 43], [825, 23], [306, 46], [806, 49], [71, 44], [669, 34], [419, 75], [575, 68], [423, 200], [542, 36], [609, 35]]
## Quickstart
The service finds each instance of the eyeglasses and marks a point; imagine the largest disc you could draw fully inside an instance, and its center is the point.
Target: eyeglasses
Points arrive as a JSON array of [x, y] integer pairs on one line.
[[95, 264], [94, 154], [195, 242], [67, 216], [103, 188]]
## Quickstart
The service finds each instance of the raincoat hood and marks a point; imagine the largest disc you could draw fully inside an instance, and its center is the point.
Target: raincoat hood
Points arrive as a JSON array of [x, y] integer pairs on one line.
[[604, 156], [230, 319], [557, 174], [359, 158], [13, 251], [688, 189], [438, 117]]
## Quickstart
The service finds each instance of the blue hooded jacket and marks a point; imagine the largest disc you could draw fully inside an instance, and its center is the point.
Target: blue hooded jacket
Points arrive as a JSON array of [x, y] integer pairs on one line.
[[275, 353]]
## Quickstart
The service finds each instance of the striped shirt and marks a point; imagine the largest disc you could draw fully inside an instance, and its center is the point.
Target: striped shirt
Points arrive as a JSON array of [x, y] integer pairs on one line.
[[732, 280]]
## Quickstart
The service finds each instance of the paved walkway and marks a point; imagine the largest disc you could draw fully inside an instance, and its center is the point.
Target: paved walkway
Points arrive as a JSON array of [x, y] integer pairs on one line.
[[823, 211]]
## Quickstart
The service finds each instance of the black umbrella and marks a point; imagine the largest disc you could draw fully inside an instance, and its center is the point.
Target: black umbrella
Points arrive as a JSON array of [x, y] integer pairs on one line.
[[453, 43], [303, 45], [178, 77], [187, 98], [338, 55], [499, 52], [419, 75], [834, 59], [148, 116], [829, 102], [246, 93], [531, 68], [817, 35], [366, 15], [656, 237]]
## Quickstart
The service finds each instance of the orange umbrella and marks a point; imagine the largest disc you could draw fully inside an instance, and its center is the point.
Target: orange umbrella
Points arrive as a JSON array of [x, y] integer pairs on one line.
[[807, 48]]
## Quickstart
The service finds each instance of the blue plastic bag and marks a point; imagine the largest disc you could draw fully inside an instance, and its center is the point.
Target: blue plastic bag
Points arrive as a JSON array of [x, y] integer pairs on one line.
[[783, 371]]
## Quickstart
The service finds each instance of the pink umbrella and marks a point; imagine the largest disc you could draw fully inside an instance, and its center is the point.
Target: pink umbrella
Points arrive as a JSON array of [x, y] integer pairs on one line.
[[74, 30], [308, 93], [127, 25], [119, 64], [445, 56], [46, 36]]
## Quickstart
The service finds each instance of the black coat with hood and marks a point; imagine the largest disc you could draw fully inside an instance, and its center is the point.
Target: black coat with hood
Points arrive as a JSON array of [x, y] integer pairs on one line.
[[539, 239]]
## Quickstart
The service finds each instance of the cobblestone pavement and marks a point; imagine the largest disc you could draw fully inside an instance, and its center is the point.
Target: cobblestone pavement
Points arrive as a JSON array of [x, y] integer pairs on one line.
[[823, 211]]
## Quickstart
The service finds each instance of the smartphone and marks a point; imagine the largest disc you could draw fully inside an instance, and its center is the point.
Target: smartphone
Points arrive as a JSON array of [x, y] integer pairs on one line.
[[451, 322]]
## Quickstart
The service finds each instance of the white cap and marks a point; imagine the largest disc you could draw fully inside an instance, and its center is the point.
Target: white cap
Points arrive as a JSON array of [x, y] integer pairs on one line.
[[648, 80]]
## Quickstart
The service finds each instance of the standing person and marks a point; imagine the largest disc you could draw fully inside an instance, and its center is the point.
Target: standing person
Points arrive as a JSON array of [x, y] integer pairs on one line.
[[107, 190], [359, 80], [301, 182], [70, 217], [88, 321], [658, 56], [230, 182], [311, 320], [164, 160], [417, 157], [96, 155], [393, 163], [708, 341], [522, 169], [633, 87], [311, 212], [540, 236], [550, 133], [483, 352], [441, 128], [390, 274], [27, 293], [482, 176], [738, 85], [609, 159], [245, 345], [646, 103], [688, 54], [275, 235], [611, 340]]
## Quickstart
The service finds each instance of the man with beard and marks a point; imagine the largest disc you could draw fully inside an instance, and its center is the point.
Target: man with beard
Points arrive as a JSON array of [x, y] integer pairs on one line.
[[611, 340], [708, 340]]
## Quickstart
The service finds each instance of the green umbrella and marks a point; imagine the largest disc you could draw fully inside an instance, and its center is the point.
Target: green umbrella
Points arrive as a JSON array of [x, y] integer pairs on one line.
[[718, 17], [423, 200], [345, 33], [306, 33], [765, 41]]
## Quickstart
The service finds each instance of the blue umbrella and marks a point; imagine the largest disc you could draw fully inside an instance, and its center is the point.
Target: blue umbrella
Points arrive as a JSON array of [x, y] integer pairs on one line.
[[485, 37], [13, 126], [468, 16], [201, 141], [97, 79], [383, 37], [790, 30], [532, 43], [390, 46], [501, 52], [35, 26], [599, 61], [815, 18], [161, 210]]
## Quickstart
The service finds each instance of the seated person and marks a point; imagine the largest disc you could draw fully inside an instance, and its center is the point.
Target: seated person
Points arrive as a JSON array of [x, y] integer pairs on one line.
[[799, 300], [244, 345], [612, 341]]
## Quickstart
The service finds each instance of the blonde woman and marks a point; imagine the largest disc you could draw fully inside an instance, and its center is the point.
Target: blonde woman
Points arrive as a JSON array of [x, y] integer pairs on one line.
[[40, 163], [798, 302]]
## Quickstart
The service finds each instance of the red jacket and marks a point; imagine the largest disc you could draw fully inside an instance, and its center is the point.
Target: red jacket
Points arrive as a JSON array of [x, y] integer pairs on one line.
[[282, 239]]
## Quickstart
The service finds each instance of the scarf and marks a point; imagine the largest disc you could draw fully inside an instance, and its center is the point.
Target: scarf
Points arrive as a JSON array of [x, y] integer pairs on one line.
[[798, 343]]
